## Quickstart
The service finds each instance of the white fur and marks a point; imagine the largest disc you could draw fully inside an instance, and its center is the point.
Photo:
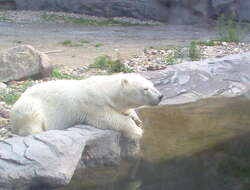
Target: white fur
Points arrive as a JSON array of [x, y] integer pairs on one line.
[[106, 102]]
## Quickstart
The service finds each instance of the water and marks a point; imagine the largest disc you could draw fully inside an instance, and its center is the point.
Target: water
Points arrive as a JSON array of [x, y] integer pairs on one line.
[[197, 146]]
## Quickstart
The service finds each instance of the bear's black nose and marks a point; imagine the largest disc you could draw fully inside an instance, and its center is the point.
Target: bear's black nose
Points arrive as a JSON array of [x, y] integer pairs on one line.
[[160, 97]]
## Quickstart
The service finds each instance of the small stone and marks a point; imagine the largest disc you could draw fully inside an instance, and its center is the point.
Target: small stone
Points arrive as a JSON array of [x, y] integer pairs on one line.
[[3, 122], [5, 114]]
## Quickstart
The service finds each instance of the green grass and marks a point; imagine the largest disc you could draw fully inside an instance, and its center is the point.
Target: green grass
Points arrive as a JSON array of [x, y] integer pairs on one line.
[[59, 75], [176, 55], [75, 44], [12, 95], [67, 43], [17, 41], [98, 45], [230, 30], [84, 41], [87, 22], [71, 43], [9, 97], [112, 66], [194, 51], [5, 19], [207, 42]]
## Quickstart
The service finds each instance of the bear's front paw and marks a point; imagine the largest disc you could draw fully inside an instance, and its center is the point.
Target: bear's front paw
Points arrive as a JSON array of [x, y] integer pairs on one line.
[[137, 121], [136, 133]]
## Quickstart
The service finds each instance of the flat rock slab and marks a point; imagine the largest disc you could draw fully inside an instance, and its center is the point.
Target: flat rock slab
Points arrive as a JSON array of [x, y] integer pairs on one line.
[[49, 159], [227, 76]]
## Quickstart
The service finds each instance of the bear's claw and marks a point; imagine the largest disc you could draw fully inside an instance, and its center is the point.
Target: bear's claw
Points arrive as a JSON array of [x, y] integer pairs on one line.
[[137, 121]]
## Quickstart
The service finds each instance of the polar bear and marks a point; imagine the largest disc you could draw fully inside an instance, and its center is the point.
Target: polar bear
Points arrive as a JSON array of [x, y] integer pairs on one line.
[[105, 102]]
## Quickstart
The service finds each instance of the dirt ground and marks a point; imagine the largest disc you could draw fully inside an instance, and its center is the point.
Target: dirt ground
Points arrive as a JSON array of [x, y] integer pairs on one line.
[[127, 41], [103, 40]]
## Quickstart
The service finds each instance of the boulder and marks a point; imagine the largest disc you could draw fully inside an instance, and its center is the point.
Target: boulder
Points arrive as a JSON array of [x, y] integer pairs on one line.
[[226, 7], [23, 62], [142, 9], [243, 11], [171, 11], [50, 159], [227, 76]]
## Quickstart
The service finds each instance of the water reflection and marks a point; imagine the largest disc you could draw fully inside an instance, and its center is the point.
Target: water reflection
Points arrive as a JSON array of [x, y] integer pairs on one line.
[[197, 146]]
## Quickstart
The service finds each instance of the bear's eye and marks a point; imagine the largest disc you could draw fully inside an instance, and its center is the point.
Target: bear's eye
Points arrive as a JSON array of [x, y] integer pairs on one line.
[[146, 89]]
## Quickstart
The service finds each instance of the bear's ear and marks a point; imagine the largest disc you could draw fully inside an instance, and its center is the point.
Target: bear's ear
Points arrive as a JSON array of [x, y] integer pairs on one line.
[[124, 82]]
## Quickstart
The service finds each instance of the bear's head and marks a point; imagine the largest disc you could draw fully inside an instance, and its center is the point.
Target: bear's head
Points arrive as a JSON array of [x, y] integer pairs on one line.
[[138, 91]]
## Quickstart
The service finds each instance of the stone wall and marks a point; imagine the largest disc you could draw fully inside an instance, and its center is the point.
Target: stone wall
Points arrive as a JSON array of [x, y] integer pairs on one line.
[[171, 11]]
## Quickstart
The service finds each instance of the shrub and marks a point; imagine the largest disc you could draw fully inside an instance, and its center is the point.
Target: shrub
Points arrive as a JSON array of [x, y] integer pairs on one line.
[[113, 66], [176, 55], [59, 75], [194, 51], [230, 30], [11, 95], [207, 42]]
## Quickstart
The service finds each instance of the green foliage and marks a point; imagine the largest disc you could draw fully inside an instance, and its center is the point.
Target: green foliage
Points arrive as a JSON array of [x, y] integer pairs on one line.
[[113, 66], [5, 19], [194, 51], [175, 56], [17, 41], [98, 45], [11, 95], [59, 75], [74, 44], [207, 42], [84, 41], [67, 43], [82, 21], [230, 30]]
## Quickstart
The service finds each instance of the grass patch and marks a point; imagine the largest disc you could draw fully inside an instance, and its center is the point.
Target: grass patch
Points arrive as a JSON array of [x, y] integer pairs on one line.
[[74, 44], [84, 41], [17, 41], [112, 66], [11, 95], [230, 30], [5, 19], [176, 55], [59, 75], [71, 43], [98, 45], [67, 43], [87, 22], [207, 42], [194, 51]]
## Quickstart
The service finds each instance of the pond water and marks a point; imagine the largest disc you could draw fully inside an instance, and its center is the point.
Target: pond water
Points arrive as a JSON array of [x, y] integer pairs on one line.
[[196, 146]]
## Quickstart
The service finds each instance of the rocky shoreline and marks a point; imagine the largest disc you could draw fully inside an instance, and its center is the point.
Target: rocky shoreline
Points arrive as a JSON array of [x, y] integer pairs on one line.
[[181, 83], [151, 59]]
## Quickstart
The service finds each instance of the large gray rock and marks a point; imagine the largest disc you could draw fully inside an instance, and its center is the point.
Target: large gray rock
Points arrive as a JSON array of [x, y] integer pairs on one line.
[[23, 62], [186, 82], [142, 9], [172, 11], [50, 159], [243, 11]]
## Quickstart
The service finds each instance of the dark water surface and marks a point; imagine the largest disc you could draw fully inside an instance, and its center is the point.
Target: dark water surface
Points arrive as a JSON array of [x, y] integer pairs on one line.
[[197, 146]]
